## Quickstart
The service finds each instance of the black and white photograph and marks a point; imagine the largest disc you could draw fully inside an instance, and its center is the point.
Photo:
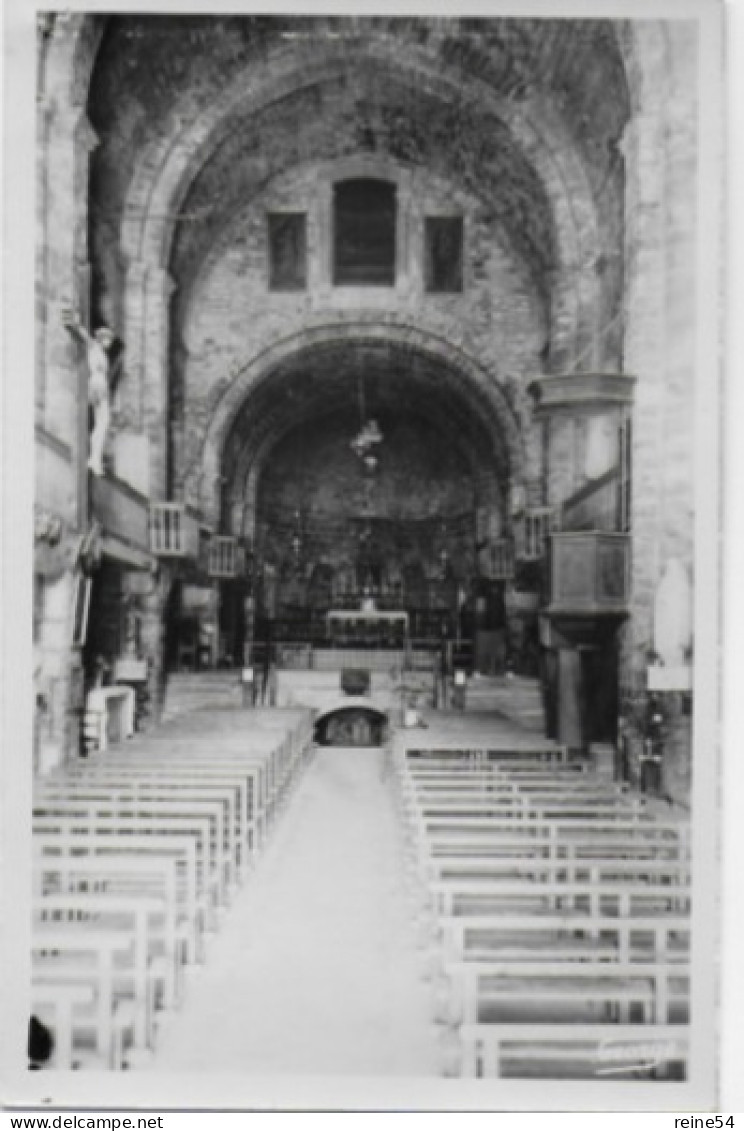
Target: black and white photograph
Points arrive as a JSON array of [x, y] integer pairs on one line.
[[365, 724]]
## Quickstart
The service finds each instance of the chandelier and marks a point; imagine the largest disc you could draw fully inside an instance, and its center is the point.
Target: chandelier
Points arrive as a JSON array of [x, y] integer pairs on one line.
[[368, 436]]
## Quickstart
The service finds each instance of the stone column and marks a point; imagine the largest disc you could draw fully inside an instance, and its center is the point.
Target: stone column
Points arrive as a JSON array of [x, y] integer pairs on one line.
[[158, 290], [569, 713], [660, 147], [153, 605], [65, 142], [58, 675]]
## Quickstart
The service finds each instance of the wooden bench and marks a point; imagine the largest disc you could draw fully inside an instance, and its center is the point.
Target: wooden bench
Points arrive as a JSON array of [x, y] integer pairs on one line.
[[143, 920], [473, 989], [57, 840], [644, 873], [129, 805], [121, 876], [478, 833], [92, 959], [520, 808], [247, 779], [524, 753], [60, 1005], [596, 1051], [134, 853], [235, 790], [83, 818], [565, 934], [450, 895]]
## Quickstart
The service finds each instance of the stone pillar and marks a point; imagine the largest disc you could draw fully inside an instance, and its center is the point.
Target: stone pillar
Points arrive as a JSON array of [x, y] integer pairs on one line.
[[65, 142], [142, 409], [58, 675], [660, 148], [158, 291], [569, 713], [153, 606], [130, 394]]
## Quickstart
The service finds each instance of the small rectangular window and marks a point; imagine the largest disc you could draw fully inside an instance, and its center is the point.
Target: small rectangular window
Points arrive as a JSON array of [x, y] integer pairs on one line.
[[364, 218], [443, 236], [287, 251]]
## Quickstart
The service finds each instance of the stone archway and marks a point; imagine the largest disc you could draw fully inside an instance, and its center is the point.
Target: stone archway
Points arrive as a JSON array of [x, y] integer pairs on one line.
[[363, 726], [480, 392]]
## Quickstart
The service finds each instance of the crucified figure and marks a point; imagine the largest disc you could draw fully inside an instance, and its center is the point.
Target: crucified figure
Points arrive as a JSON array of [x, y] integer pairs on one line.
[[97, 348]]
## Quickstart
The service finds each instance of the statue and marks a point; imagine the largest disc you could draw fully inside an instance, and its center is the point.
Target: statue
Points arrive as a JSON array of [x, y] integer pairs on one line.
[[97, 347]]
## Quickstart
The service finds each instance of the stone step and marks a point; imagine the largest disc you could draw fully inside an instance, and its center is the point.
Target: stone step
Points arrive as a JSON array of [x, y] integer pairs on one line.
[[196, 691]]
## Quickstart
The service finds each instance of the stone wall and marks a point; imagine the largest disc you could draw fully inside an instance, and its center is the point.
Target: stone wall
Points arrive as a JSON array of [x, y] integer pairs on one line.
[[230, 317], [422, 493]]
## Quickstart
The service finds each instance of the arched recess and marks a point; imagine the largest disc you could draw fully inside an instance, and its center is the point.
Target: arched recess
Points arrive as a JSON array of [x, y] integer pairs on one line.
[[167, 169], [479, 390], [353, 721]]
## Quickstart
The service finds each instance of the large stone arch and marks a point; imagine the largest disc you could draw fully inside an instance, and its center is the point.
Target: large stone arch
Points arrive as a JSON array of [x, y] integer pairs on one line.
[[204, 482], [167, 168]]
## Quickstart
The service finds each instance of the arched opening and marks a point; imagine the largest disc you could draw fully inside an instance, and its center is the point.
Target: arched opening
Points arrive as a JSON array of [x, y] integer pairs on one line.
[[364, 475], [352, 726], [364, 214]]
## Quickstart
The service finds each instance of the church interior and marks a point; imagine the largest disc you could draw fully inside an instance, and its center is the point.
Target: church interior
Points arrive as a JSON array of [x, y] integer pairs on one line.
[[364, 544]]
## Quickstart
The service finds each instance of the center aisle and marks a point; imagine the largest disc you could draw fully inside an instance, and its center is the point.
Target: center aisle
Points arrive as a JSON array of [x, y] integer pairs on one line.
[[315, 968]]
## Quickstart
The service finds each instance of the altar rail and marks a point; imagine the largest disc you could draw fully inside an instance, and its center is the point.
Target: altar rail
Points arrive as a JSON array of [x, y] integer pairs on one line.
[[297, 657]]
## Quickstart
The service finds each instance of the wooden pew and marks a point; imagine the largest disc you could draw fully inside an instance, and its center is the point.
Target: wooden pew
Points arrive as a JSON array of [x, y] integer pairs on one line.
[[168, 826], [58, 840], [129, 804], [156, 836], [644, 873], [92, 958], [520, 808], [60, 1005], [147, 780], [526, 753], [248, 780], [121, 876], [143, 920], [475, 989], [452, 897], [565, 934], [597, 1051]]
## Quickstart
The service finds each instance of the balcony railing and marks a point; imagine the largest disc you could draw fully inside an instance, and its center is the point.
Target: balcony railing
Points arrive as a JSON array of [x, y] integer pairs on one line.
[[173, 532], [502, 559], [225, 557], [531, 531]]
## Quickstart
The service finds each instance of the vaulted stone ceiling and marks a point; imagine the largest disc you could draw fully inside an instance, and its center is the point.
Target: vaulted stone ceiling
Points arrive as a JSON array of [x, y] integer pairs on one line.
[[375, 379], [155, 74], [363, 112]]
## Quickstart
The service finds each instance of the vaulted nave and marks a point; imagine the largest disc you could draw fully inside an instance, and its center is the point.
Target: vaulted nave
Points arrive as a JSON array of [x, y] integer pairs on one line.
[[367, 399]]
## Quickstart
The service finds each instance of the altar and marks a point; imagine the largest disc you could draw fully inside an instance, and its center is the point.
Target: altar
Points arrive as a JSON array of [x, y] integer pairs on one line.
[[367, 626]]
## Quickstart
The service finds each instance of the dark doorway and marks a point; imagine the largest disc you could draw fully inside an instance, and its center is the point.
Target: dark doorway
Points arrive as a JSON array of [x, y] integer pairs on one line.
[[351, 726]]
